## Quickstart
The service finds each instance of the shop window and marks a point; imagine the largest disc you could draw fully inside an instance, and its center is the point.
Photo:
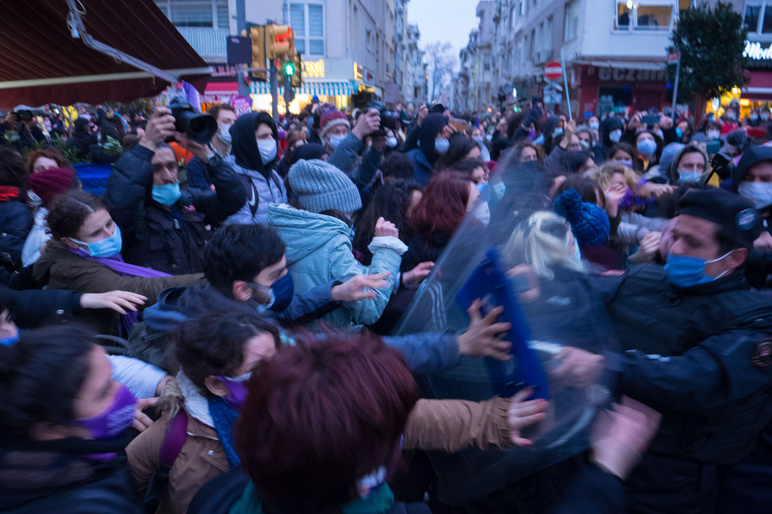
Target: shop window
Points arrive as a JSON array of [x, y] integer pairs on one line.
[[308, 22], [650, 15]]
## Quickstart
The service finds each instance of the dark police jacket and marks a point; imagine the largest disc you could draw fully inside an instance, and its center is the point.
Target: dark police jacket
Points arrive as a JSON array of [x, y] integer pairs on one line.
[[168, 240], [701, 356]]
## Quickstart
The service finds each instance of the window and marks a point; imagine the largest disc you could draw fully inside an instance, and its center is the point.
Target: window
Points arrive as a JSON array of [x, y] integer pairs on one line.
[[308, 22], [196, 13], [572, 21], [487, 63], [758, 17], [649, 15], [531, 48]]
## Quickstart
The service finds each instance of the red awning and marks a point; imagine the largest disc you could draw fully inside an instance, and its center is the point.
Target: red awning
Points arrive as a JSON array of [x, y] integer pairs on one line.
[[41, 62]]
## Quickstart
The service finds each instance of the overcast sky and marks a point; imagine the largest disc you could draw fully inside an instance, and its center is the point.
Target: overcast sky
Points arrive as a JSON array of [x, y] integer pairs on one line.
[[443, 20]]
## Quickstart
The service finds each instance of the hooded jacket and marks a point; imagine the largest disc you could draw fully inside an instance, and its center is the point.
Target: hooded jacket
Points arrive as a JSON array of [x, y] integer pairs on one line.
[[750, 158], [424, 157], [16, 222], [261, 181], [319, 250], [672, 172]]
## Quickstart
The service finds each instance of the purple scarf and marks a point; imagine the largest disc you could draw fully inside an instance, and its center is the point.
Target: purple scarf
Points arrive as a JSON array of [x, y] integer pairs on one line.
[[117, 264]]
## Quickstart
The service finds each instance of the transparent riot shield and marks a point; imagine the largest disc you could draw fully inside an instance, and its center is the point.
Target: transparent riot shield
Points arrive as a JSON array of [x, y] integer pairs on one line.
[[520, 256]]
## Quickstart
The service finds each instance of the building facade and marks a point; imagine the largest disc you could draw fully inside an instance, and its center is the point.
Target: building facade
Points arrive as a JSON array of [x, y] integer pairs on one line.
[[416, 90], [349, 48], [614, 52]]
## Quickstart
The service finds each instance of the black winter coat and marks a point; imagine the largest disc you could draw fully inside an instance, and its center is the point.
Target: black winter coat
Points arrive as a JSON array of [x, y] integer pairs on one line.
[[15, 224], [58, 476], [36, 307], [81, 142], [170, 240]]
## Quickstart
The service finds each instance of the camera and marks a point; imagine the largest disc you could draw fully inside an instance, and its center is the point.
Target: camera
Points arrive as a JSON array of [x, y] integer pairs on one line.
[[199, 127], [389, 118], [24, 114]]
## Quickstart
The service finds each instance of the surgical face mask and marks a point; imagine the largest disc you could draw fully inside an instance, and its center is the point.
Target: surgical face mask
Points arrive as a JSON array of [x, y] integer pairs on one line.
[[659, 134], [539, 140], [10, 340], [731, 116], [760, 193], [392, 142], [279, 294], [334, 140], [531, 134], [764, 115], [499, 188], [310, 122], [106, 247], [713, 134], [267, 149], [237, 387], [489, 137], [686, 177], [647, 146], [615, 135], [225, 133], [112, 422], [754, 116], [441, 145], [685, 271], [479, 139], [584, 144], [594, 125], [558, 131], [167, 194], [628, 164], [679, 132]]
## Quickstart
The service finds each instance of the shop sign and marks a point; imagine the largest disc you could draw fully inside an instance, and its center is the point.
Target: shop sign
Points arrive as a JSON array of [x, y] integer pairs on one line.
[[313, 69], [755, 52], [362, 74], [608, 74], [223, 71]]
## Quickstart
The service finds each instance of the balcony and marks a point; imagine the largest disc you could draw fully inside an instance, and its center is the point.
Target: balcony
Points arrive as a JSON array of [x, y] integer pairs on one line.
[[210, 43]]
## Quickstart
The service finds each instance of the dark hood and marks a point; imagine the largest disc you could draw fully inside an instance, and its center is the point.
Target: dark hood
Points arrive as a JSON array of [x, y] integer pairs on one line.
[[750, 158], [431, 126], [307, 152], [244, 144], [608, 126]]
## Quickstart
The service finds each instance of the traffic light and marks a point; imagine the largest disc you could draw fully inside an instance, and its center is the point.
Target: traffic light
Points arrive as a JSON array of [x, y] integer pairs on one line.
[[289, 69], [257, 35], [279, 41], [297, 77]]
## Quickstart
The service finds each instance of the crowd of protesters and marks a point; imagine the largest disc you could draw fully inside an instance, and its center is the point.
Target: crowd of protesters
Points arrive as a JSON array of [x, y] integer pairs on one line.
[[214, 331]]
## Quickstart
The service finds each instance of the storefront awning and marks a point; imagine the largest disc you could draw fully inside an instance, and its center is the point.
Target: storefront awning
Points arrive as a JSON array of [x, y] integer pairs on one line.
[[121, 51], [623, 65], [308, 88]]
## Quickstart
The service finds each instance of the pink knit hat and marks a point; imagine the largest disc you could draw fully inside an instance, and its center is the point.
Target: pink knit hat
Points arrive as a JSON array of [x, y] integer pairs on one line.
[[332, 119]]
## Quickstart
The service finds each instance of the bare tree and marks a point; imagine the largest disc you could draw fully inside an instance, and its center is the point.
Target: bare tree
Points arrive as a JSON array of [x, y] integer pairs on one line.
[[442, 61]]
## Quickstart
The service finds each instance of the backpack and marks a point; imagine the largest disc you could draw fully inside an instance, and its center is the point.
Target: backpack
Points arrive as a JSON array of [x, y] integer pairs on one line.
[[150, 340], [174, 440]]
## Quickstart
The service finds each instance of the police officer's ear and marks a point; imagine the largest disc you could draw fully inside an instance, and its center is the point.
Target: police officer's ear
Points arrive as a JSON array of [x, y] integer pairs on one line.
[[737, 258]]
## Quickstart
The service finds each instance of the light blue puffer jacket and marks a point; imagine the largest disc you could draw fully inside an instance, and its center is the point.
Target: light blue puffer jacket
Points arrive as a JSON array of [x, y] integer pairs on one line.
[[261, 192], [319, 250]]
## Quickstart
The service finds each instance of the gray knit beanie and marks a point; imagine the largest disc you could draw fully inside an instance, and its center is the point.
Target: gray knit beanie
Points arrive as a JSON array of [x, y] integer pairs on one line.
[[320, 186]]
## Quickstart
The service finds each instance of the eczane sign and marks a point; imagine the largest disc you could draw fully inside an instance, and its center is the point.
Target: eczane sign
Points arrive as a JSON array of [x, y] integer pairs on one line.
[[753, 50]]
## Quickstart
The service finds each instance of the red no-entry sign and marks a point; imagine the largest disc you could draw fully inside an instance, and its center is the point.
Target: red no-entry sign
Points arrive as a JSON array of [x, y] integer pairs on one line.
[[553, 70]]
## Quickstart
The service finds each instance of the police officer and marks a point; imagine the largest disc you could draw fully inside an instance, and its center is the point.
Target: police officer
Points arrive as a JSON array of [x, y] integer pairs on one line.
[[698, 348]]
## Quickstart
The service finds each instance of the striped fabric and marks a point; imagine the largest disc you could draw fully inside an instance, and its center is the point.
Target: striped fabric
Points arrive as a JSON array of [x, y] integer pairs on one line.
[[308, 88]]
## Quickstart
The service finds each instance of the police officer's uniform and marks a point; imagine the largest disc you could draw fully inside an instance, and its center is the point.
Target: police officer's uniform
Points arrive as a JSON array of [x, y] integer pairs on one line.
[[701, 356]]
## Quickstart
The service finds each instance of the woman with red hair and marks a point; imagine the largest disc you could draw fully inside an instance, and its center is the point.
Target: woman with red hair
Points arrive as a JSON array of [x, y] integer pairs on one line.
[[438, 215]]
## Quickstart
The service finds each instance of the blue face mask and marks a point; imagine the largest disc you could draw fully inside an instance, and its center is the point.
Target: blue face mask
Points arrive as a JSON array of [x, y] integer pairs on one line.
[[441, 145], [688, 176], [106, 247], [167, 194], [279, 294], [679, 132], [558, 131], [647, 146], [10, 340], [685, 271]]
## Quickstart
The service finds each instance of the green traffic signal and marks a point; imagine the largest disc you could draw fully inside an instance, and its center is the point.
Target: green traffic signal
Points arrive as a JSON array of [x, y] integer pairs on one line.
[[289, 69]]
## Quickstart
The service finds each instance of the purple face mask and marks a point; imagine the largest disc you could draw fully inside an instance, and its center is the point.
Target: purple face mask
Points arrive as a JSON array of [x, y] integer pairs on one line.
[[114, 420], [627, 200], [531, 134], [237, 387]]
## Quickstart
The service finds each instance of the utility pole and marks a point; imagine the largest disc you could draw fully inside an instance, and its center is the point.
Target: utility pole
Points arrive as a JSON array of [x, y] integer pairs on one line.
[[241, 25]]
